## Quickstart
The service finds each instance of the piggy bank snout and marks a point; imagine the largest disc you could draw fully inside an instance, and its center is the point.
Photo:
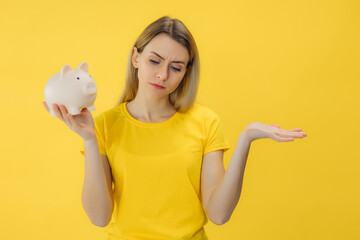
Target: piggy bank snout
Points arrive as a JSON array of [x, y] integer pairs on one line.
[[90, 88]]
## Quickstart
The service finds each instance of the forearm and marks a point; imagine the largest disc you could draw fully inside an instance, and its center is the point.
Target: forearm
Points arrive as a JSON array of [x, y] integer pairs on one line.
[[96, 198], [226, 196]]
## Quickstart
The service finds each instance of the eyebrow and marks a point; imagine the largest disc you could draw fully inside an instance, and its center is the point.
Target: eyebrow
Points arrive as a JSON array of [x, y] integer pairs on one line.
[[164, 59]]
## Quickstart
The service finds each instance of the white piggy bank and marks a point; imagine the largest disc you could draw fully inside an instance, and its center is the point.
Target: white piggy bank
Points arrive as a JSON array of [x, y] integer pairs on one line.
[[75, 89]]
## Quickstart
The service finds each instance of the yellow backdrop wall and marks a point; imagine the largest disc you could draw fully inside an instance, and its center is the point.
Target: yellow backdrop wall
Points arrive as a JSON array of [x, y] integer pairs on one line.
[[291, 63]]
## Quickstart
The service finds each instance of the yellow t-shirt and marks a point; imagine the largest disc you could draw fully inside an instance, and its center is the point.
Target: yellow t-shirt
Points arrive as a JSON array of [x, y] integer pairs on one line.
[[156, 169]]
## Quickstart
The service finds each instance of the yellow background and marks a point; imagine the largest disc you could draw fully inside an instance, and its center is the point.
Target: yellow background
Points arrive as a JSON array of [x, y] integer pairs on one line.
[[291, 63]]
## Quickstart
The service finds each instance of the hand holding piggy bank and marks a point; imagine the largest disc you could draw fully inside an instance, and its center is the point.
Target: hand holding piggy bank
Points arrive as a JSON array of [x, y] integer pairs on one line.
[[75, 89]]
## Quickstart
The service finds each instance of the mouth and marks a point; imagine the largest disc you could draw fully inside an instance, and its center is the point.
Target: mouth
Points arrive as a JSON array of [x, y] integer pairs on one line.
[[157, 86]]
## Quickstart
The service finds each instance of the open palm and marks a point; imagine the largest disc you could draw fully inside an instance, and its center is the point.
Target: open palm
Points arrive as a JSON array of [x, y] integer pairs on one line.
[[82, 124], [257, 130]]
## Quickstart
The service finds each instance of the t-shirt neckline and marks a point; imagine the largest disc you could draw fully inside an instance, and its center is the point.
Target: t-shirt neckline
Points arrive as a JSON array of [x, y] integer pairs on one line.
[[148, 124]]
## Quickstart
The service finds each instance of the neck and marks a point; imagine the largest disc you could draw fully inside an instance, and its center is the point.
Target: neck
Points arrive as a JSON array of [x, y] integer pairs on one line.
[[150, 109]]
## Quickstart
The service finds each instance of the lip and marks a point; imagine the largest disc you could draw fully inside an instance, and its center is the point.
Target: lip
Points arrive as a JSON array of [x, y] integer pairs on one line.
[[157, 86]]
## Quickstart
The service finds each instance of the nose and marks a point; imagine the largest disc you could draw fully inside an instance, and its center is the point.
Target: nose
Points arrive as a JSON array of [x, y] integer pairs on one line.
[[91, 87], [163, 73]]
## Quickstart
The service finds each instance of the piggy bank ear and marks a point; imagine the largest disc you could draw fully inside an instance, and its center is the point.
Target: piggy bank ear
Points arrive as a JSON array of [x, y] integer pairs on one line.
[[83, 66], [65, 69]]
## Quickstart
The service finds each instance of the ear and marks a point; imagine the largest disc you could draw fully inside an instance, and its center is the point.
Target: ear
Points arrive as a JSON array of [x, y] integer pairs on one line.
[[83, 66], [135, 57], [64, 70]]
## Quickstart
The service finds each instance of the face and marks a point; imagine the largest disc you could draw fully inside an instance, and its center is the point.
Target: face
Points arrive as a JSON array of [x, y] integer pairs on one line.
[[162, 62]]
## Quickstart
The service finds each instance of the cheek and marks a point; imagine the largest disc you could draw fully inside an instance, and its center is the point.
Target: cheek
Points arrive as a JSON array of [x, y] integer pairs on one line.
[[145, 71], [142, 72]]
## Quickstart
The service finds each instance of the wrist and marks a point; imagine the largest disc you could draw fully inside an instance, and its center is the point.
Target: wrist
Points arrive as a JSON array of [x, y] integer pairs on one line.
[[90, 140], [245, 135]]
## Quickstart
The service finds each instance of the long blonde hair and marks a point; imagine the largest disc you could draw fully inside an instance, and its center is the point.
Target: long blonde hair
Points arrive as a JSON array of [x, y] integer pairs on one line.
[[184, 96]]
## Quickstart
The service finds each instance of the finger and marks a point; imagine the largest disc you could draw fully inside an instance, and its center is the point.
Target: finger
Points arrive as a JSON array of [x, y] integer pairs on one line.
[[64, 113], [46, 106], [73, 122], [291, 130], [282, 139], [295, 130], [289, 134], [299, 130], [57, 112]]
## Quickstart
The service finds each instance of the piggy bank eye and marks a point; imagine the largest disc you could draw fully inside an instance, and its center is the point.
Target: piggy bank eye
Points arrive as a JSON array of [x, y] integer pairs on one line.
[[78, 78]]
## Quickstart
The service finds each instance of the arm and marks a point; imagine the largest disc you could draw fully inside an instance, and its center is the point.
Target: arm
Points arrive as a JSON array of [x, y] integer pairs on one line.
[[97, 197], [224, 197], [224, 193]]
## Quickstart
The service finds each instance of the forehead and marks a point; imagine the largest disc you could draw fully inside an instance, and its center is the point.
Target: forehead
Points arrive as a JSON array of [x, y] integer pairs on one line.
[[167, 48]]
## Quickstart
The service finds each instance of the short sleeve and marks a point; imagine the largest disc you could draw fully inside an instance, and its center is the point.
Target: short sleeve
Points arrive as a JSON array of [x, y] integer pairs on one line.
[[99, 123], [215, 136]]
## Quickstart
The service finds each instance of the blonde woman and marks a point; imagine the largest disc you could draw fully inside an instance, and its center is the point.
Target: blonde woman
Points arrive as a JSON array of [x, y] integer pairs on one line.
[[154, 162]]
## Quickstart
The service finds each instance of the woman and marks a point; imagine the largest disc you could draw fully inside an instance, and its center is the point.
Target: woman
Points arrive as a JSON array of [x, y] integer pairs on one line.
[[161, 150]]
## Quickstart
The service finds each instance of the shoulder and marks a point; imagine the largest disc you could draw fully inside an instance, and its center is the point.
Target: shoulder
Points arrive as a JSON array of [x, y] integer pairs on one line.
[[203, 115], [108, 116], [206, 112], [198, 107]]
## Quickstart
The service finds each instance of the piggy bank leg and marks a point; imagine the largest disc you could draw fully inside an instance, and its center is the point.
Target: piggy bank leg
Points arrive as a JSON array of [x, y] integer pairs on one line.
[[74, 110], [91, 108]]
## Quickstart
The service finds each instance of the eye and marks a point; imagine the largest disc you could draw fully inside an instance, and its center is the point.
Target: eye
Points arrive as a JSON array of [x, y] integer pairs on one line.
[[176, 69], [90, 76], [78, 78]]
